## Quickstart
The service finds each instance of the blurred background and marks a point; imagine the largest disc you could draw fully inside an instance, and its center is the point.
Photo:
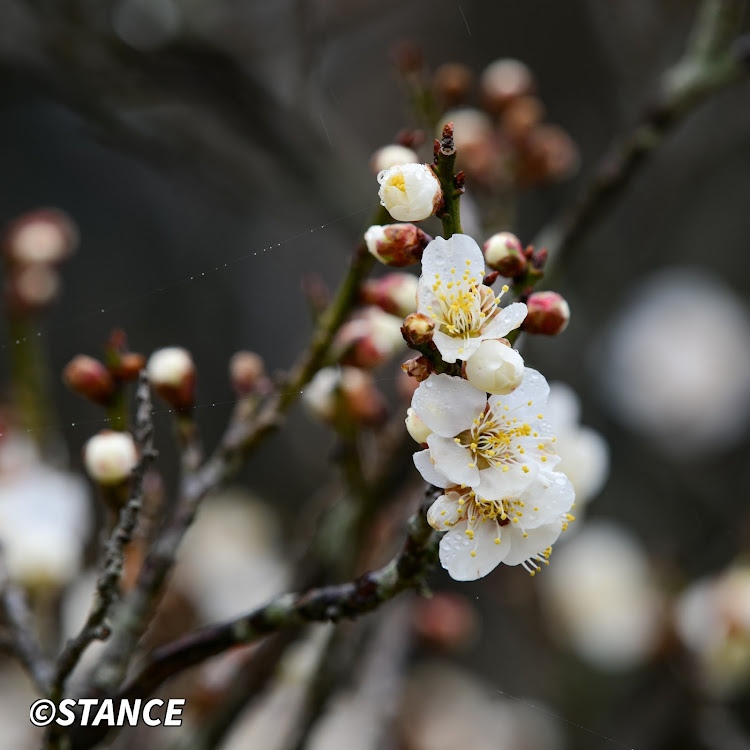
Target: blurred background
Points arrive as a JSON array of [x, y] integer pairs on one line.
[[214, 154]]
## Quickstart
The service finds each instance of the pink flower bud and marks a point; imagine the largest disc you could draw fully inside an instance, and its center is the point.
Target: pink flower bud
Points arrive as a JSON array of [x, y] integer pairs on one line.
[[32, 287], [171, 373], [46, 237], [395, 293], [446, 620], [451, 83], [417, 330], [110, 457], [89, 378], [247, 372], [548, 314], [504, 253], [369, 339], [397, 245]]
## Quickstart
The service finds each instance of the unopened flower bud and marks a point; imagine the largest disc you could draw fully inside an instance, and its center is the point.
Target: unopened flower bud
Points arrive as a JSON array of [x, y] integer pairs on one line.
[[410, 192], [505, 80], [33, 287], [451, 83], [495, 368], [549, 154], [89, 378], [110, 457], [417, 330], [392, 155], [419, 368], [548, 314], [128, 366], [171, 373], [346, 393], [397, 245], [247, 372], [369, 339], [504, 253], [396, 293], [521, 115], [45, 237], [418, 430]]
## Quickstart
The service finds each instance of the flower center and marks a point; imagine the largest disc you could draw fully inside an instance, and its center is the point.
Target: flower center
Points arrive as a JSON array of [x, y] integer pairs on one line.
[[398, 181], [464, 304], [492, 440]]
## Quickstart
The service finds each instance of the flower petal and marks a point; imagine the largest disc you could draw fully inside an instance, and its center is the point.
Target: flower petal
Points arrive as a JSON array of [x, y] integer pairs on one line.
[[448, 405], [453, 460], [495, 484], [445, 512], [533, 544], [506, 320], [547, 500], [456, 549], [533, 388], [423, 462], [459, 252], [452, 348]]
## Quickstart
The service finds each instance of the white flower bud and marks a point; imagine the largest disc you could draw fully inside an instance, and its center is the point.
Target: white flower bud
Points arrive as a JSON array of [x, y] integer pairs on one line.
[[110, 457], [169, 366], [171, 372], [495, 368], [391, 156], [410, 192], [418, 430], [504, 253]]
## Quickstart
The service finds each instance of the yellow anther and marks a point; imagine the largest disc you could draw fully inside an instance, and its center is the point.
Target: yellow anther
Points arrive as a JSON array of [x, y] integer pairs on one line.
[[505, 288]]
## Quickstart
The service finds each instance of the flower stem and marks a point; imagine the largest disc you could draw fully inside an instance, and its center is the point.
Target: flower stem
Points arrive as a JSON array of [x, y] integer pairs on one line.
[[451, 183]]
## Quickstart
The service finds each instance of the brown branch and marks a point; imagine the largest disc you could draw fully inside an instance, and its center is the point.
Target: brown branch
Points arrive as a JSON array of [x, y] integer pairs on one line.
[[712, 62], [107, 585], [244, 433], [20, 641]]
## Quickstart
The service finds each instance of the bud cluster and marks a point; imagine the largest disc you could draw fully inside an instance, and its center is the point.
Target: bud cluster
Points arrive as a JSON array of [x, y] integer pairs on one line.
[[505, 141], [33, 248]]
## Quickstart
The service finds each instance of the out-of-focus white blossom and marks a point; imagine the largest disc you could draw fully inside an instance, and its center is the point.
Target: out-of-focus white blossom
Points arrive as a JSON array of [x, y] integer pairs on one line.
[[44, 519], [584, 454], [444, 708], [712, 617], [676, 363], [504, 80], [410, 192], [392, 155], [344, 393], [451, 292], [110, 457], [495, 367], [230, 563], [602, 598]]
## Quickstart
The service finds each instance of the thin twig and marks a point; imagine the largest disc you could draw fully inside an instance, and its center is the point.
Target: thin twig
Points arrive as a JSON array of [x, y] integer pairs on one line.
[[712, 61], [245, 432], [107, 585]]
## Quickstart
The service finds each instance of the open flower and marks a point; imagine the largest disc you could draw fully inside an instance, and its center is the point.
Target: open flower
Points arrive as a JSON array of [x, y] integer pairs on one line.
[[515, 528], [496, 445], [465, 311]]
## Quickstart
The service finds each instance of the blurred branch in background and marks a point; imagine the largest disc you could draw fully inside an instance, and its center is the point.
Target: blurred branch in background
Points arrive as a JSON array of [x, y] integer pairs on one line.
[[715, 58]]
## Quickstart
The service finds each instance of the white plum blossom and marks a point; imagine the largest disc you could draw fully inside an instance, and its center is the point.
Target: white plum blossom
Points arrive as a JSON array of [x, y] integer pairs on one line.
[[495, 368], [410, 192], [493, 445], [517, 528], [465, 311], [392, 155], [110, 457]]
